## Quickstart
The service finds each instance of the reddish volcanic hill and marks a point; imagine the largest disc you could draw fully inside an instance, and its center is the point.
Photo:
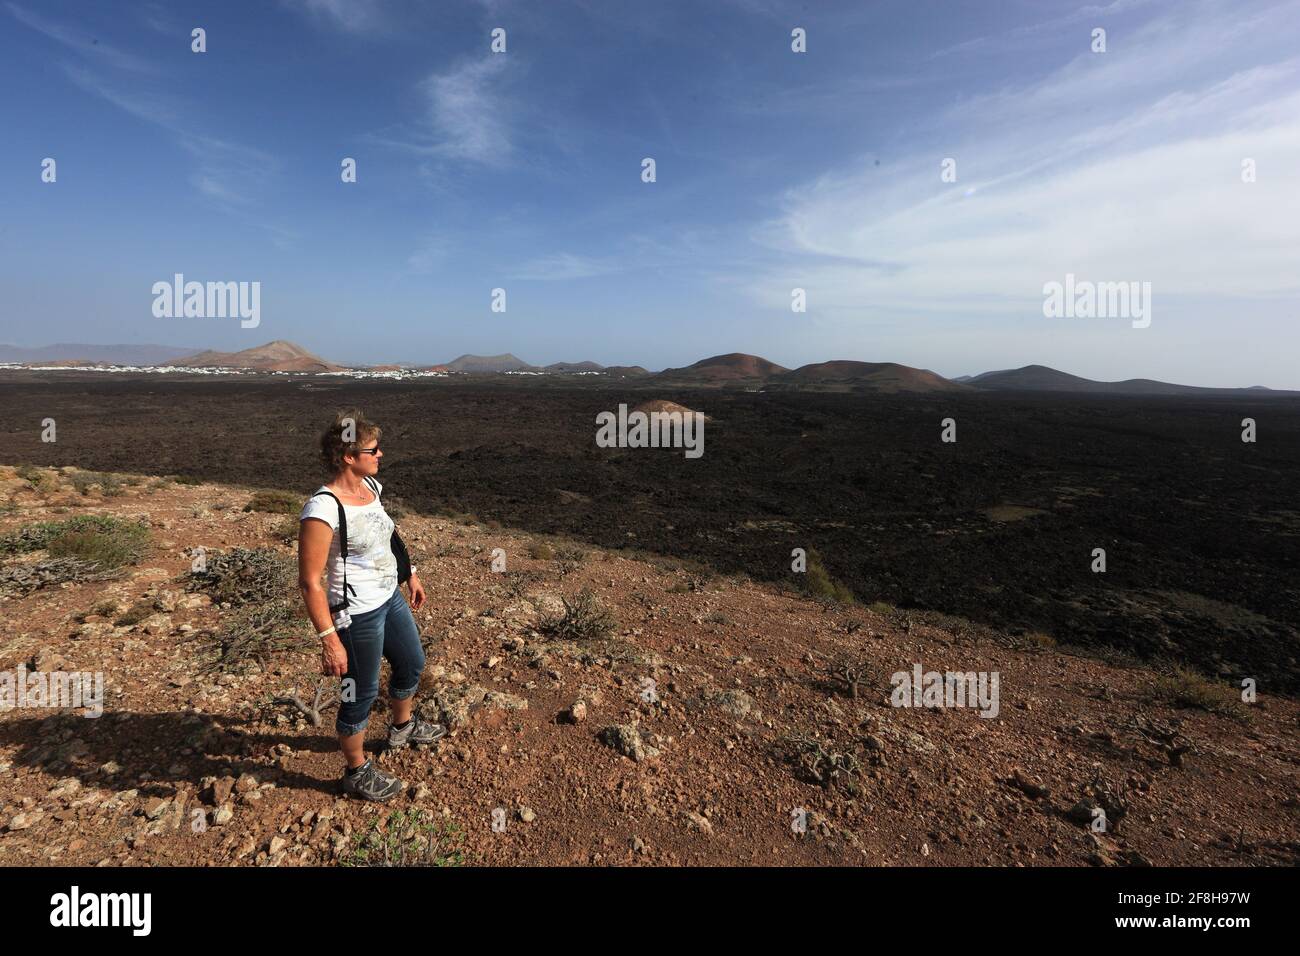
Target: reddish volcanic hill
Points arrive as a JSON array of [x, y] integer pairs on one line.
[[879, 376], [665, 407], [732, 367], [277, 356]]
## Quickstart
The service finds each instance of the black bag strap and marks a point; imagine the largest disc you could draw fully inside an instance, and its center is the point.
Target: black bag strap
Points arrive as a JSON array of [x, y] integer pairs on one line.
[[395, 543], [343, 546]]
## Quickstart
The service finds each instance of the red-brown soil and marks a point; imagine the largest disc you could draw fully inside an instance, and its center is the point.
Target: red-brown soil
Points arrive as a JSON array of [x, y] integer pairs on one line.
[[738, 668]]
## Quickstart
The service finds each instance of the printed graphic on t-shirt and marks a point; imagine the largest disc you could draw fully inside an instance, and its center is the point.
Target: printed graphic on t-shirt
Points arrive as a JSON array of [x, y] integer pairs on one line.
[[371, 565]]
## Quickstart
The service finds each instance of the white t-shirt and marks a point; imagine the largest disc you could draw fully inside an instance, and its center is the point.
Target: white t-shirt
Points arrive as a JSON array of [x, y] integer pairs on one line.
[[372, 567]]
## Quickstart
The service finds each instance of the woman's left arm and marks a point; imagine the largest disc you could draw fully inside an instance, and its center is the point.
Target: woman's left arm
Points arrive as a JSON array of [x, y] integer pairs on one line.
[[417, 590]]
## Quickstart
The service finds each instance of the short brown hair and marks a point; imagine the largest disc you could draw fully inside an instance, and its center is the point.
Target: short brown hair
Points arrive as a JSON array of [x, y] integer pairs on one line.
[[332, 445]]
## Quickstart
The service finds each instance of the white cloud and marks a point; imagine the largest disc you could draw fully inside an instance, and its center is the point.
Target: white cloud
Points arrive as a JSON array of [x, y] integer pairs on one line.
[[563, 265], [466, 115], [1103, 169], [351, 16]]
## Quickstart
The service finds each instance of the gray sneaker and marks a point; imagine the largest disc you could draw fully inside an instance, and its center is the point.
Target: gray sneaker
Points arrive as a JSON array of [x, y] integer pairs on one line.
[[371, 783], [416, 732]]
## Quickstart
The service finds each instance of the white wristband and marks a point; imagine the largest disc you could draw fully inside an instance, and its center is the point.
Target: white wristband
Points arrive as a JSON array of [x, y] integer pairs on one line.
[[328, 631]]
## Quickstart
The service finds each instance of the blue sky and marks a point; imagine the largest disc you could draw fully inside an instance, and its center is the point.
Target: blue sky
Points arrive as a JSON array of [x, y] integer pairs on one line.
[[775, 170]]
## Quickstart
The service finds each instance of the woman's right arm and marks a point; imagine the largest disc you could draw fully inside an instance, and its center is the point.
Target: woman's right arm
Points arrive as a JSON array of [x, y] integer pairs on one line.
[[314, 538]]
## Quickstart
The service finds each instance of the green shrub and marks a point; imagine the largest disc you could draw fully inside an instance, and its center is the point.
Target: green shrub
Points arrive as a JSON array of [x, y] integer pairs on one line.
[[820, 584], [1186, 688], [39, 478], [111, 486], [276, 502], [540, 551], [103, 540], [585, 618], [410, 837]]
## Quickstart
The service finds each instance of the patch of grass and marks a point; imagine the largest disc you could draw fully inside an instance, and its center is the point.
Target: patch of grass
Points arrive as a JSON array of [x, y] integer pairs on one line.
[[1041, 640], [40, 479], [103, 540], [276, 502], [516, 584], [105, 548], [188, 480], [570, 552], [820, 584], [540, 551], [410, 837], [110, 486], [1186, 688], [881, 607], [585, 618], [158, 484]]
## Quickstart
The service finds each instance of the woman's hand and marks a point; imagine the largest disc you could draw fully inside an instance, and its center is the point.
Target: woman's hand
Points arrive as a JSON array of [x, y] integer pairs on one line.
[[417, 592], [333, 658]]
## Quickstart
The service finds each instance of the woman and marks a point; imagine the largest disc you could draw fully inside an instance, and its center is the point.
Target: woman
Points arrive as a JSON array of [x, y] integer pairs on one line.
[[377, 620]]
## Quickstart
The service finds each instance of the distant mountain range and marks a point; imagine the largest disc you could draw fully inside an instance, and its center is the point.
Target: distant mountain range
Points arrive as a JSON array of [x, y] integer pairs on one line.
[[734, 369], [277, 356], [1040, 378]]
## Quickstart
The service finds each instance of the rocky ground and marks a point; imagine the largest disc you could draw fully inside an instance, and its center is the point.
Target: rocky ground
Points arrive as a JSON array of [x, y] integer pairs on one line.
[[767, 709]]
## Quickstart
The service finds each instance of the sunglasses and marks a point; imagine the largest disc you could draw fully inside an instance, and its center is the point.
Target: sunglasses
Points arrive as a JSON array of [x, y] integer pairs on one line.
[[368, 451]]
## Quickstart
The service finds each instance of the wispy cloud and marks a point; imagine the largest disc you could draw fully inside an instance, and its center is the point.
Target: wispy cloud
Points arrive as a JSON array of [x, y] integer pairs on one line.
[[84, 44], [466, 113], [431, 252], [1109, 168], [1093, 14], [230, 174], [350, 16], [562, 266]]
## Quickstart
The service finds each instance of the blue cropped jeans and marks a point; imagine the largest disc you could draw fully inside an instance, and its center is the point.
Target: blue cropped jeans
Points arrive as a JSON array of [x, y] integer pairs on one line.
[[387, 631]]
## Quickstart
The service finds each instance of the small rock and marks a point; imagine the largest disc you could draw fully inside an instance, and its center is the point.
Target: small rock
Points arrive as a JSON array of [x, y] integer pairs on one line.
[[527, 815], [698, 822], [22, 821], [1029, 786], [626, 739]]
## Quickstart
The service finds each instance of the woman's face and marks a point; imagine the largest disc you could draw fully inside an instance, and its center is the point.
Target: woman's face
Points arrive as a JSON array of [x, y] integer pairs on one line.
[[366, 461]]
